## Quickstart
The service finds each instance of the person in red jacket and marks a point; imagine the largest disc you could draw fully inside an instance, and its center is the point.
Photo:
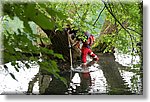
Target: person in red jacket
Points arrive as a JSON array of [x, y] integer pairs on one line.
[[86, 49]]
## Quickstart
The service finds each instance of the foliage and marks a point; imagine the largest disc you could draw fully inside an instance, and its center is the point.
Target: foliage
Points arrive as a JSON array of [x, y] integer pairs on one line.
[[54, 16], [127, 36], [125, 21], [21, 41], [122, 30], [22, 46]]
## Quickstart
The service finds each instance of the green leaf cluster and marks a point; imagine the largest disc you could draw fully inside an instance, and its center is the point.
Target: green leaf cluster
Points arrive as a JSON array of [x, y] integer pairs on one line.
[[124, 27], [21, 45], [124, 31], [22, 39]]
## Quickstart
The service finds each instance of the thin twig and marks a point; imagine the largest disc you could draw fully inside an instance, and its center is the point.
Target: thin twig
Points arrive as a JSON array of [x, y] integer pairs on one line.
[[99, 16], [120, 25], [76, 9], [134, 30]]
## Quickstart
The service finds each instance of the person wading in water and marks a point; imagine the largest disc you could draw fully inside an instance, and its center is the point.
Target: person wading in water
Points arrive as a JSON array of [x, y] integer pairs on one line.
[[86, 48]]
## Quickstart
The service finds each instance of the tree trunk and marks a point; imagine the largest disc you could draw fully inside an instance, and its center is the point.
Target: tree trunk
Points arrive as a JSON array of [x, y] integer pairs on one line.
[[60, 44]]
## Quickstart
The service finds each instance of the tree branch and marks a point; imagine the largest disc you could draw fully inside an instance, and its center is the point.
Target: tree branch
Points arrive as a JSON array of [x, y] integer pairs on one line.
[[116, 18], [119, 24], [133, 30], [76, 9], [99, 16]]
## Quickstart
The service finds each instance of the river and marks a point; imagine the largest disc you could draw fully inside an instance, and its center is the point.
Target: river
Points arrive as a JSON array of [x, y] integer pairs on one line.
[[108, 76]]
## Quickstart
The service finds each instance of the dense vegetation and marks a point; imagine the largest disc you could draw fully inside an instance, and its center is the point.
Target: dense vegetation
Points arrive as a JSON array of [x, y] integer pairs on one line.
[[115, 24]]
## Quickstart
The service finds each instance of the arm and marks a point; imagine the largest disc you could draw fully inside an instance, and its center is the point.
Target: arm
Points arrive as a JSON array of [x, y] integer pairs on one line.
[[75, 43]]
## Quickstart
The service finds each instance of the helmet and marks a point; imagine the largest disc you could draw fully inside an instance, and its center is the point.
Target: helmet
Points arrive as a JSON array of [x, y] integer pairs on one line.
[[87, 34]]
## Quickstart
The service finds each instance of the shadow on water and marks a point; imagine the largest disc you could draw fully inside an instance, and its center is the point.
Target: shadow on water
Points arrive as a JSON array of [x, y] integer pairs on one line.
[[116, 84], [103, 78]]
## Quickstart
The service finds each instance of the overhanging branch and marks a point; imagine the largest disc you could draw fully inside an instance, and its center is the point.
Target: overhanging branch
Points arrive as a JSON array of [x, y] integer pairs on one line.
[[76, 10], [134, 30], [119, 24], [99, 15]]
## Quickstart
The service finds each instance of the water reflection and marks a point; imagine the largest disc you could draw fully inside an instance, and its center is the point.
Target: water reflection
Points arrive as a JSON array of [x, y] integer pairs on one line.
[[105, 77], [91, 82], [23, 77], [133, 81]]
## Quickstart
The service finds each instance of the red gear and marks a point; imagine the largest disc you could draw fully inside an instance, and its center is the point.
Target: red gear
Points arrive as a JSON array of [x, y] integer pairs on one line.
[[86, 48], [88, 51]]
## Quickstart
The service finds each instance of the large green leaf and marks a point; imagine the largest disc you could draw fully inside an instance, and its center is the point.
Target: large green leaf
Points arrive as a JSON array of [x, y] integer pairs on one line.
[[43, 21]]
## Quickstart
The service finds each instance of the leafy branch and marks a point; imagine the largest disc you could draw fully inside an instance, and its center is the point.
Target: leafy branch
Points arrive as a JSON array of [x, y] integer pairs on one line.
[[108, 9], [133, 30], [112, 14], [76, 10], [82, 18]]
